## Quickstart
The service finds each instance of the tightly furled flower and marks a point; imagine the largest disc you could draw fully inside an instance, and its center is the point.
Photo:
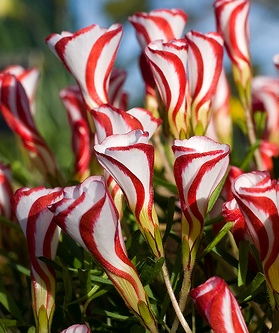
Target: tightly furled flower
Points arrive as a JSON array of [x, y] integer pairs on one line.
[[265, 93], [77, 116], [167, 61], [129, 159], [218, 306], [15, 108], [87, 213], [257, 198], [200, 165], [205, 58], [42, 236], [165, 24], [233, 23], [92, 67], [28, 78]]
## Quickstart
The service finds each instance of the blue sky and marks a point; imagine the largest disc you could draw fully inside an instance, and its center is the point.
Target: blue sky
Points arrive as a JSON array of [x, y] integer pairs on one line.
[[264, 29]]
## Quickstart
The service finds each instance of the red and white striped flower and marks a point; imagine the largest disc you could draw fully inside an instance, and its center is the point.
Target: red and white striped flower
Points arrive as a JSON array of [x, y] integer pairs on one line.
[[129, 159], [6, 191], [200, 165], [28, 78], [265, 91], [77, 116], [78, 328], [87, 214], [116, 96], [92, 67], [220, 124], [205, 58], [15, 108], [258, 200], [233, 23], [218, 306], [168, 64], [109, 120], [42, 236], [163, 24]]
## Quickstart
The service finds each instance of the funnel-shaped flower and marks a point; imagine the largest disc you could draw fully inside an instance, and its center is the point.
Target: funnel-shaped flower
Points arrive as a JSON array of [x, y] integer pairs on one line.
[[163, 24], [257, 197], [87, 213], [42, 236], [168, 64], [92, 67], [205, 58], [200, 165], [109, 120], [129, 159], [218, 306], [77, 116], [16, 111], [233, 23]]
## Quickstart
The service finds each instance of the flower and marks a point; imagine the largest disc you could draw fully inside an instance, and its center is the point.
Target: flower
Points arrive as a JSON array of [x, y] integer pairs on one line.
[[257, 197], [87, 214], [164, 24], [6, 191], [77, 329], [16, 111], [77, 116], [167, 61], [205, 58], [42, 236], [200, 165], [92, 67], [233, 23], [265, 94], [109, 120], [129, 159], [29, 80], [217, 305]]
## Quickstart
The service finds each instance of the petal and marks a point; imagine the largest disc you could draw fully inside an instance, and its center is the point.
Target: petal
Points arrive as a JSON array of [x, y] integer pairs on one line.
[[92, 67]]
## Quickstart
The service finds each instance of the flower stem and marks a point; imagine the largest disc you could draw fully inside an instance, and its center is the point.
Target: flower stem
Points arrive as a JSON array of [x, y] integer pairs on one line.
[[183, 296], [180, 318]]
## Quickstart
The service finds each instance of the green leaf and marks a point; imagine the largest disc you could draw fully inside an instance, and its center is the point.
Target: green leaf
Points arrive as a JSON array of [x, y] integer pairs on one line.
[[9, 304], [226, 228], [243, 263], [215, 195], [150, 270], [2, 328], [9, 223], [250, 155], [254, 288]]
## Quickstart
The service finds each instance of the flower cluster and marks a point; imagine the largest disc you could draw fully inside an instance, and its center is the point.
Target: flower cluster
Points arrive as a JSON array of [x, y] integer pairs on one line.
[[149, 176]]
